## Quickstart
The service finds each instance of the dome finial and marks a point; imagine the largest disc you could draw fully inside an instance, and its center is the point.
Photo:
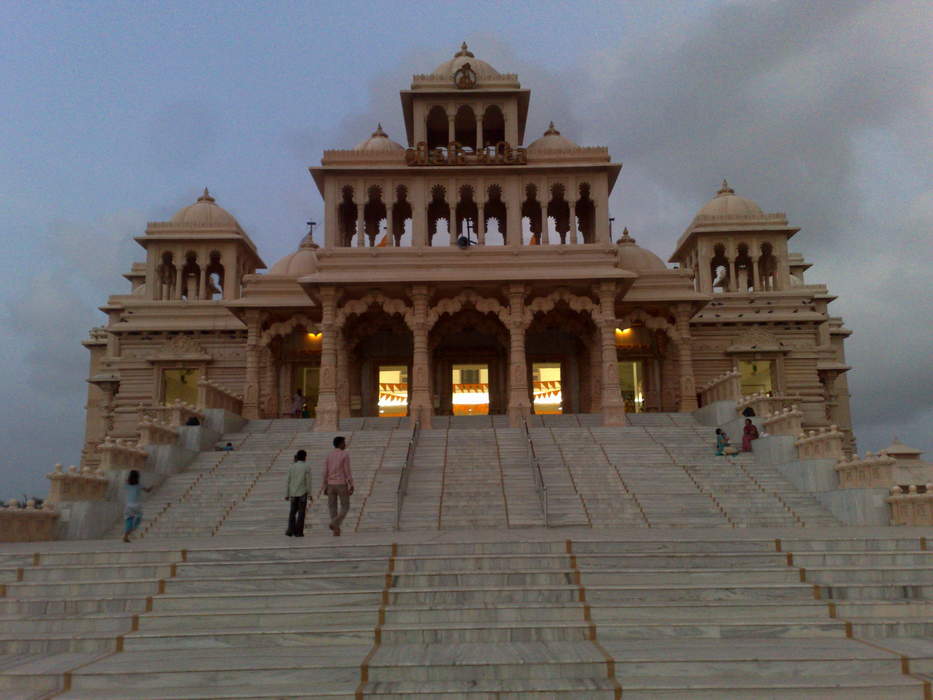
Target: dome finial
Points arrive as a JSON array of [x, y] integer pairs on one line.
[[725, 189], [205, 196], [379, 131], [625, 238], [551, 131], [464, 51]]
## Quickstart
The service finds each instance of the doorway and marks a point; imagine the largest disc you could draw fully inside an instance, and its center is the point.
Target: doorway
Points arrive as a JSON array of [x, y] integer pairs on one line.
[[757, 377], [547, 395], [180, 384], [308, 379], [470, 389], [393, 391], [632, 384]]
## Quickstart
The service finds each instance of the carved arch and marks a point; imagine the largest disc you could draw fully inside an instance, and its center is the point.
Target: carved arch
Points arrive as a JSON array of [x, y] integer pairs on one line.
[[452, 305], [285, 327], [650, 322], [361, 306], [576, 303]]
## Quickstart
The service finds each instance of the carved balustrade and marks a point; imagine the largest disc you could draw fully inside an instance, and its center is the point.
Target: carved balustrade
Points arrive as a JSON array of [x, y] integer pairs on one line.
[[821, 444], [911, 505], [174, 414], [76, 485], [785, 422], [765, 405], [726, 387], [117, 455], [213, 395], [870, 472], [29, 524], [154, 432]]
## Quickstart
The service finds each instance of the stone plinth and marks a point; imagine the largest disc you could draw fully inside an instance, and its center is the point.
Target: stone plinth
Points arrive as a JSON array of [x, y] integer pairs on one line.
[[820, 444], [153, 432], [872, 471], [29, 524], [785, 422], [75, 485], [911, 505], [726, 387], [116, 455]]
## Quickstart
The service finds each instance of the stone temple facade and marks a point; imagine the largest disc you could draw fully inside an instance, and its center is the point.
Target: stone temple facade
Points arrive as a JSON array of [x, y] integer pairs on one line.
[[467, 274]]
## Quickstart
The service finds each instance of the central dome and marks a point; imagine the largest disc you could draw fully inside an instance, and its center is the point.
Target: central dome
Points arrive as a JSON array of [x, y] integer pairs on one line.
[[379, 141], [552, 141], [464, 55], [728, 203], [205, 212]]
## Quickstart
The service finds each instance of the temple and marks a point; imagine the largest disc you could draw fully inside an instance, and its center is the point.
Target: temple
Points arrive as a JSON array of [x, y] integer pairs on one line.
[[467, 273]]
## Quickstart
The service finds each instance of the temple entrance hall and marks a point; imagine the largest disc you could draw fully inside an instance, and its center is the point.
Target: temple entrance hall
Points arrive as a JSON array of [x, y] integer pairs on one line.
[[470, 389]]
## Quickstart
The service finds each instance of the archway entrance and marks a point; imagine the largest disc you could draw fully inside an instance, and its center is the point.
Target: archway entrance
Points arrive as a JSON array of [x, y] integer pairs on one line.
[[296, 366], [379, 352], [470, 361], [560, 347]]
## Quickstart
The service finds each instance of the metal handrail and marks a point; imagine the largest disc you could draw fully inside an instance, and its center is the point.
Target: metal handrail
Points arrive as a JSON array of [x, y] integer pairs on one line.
[[536, 472], [406, 470]]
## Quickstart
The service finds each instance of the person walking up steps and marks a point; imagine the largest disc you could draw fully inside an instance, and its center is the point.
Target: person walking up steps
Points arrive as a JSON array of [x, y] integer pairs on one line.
[[297, 490], [132, 508], [337, 482]]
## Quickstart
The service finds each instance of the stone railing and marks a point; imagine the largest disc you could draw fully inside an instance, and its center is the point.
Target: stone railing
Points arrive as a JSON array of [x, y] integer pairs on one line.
[[174, 414], [75, 485], [726, 387], [821, 444], [788, 421], [154, 432], [212, 395], [116, 455], [765, 405], [29, 524], [870, 472], [911, 505]]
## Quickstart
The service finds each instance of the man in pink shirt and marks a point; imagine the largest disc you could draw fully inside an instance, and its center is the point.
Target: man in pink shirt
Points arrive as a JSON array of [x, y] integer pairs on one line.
[[337, 482]]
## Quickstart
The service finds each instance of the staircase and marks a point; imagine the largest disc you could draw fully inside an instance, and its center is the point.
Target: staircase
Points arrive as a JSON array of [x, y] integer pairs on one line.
[[733, 616]]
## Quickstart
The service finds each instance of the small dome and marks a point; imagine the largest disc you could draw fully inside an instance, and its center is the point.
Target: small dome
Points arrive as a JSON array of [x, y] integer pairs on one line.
[[379, 141], [552, 141], [632, 256], [205, 212], [728, 203], [464, 56], [302, 262]]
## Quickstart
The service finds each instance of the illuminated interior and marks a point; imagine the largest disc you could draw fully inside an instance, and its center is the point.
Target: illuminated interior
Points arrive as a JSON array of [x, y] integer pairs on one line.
[[632, 384], [313, 342], [756, 376], [547, 391], [393, 391], [470, 390], [309, 380], [180, 384]]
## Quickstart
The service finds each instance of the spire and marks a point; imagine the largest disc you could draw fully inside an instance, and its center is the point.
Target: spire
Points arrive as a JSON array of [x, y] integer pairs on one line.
[[551, 131], [206, 196], [625, 238], [725, 189], [464, 51], [379, 131]]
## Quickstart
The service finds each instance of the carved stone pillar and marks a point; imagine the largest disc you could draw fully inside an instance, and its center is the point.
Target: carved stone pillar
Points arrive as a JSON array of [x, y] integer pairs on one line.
[[451, 131], [251, 390], [572, 222], [733, 276], [202, 283], [326, 417], [481, 223], [613, 406], [545, 226], [343, 376], [756, 274], [479, 133], [420, 405], [178, 278], [390, 224], [360, 227], [688, 394], [519, 403]]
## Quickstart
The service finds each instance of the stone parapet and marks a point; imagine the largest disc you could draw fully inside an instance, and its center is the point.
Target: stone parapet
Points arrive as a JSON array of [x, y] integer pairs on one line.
[[154, 432], [765, 405], [29, 524], [911, 505], [76, 485], [213, 395], [726, 387], [821, 444], [872, 471], [788, 421], [117, 455], [174, 414]]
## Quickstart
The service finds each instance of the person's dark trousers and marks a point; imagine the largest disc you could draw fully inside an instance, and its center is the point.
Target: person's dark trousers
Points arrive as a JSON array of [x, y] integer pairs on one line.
[[296, 516]]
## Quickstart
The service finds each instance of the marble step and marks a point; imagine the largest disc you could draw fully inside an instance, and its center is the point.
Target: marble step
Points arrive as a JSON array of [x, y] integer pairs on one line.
[[558, 688]]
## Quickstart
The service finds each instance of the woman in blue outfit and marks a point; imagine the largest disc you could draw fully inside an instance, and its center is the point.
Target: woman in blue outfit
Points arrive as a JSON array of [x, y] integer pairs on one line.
[[722, 442], [132, 509]]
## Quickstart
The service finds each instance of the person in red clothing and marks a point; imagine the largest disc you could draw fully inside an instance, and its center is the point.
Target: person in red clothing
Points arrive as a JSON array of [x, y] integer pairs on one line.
[[337, 483]]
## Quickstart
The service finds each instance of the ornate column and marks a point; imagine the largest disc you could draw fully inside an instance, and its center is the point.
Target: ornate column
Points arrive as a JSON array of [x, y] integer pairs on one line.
[[343, 376], [360, 227], [545, 226], [451, 131], [390, 224], [513, 215], [481, 223], [756, 274], [519, 403], [251, 390], [178, 278], [612, 404], [733, 276], [420, 405], [688, 394], [479, 133], [326, 412], [572, 222], [202, 282]]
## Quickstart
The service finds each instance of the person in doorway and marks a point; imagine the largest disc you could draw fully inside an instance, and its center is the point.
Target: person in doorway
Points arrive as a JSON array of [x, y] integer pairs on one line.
[[722, 442], [297, 491], [749, 433], [132, 508], [337, 482], [298, 403]]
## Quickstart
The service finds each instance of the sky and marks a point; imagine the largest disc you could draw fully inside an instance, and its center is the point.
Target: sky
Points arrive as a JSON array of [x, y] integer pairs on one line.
[[116, 114]]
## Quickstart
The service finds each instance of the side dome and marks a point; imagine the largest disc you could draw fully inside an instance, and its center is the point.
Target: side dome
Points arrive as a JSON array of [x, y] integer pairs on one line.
[[205, 212], [631, 256], [728, 203], [379, 141], [462, 57], [552, 141], [302, 262]]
